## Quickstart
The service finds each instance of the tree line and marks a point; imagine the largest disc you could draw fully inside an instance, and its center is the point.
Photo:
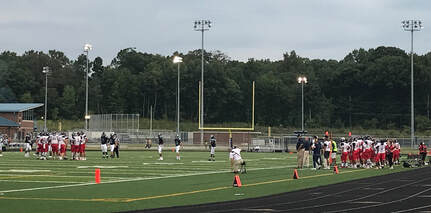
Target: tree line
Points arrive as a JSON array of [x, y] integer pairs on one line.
[[367, 89]]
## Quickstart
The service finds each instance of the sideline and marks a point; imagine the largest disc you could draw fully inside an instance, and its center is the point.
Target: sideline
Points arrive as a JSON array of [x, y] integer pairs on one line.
[[137, 179], [127, 200]]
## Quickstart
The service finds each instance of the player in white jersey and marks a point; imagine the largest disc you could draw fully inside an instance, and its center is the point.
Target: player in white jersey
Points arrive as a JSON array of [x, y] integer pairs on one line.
[[54, 145], [84, 141], [345, 147], [366, 149], [397, 152], [44, 141], [235, 159], [62, 146], [76, 142], [326, 153], [381, 154]]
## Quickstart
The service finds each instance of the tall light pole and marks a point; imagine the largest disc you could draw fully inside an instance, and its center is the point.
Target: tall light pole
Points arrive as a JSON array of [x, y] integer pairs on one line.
[[202, 25], [46, 71], [302, 80], [178, 60], [412, 25], [87, 48]]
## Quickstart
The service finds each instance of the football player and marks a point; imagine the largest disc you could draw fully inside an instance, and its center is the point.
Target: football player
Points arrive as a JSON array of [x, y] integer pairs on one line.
[[178, 144]]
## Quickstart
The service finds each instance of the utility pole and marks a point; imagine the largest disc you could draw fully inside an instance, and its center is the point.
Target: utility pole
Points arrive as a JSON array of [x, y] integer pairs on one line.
[[202, 25], [412, 25]]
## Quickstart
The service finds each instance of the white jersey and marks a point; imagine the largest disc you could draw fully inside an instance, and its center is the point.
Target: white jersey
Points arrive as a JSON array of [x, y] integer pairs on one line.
[[381, 148], [327, 146], [83, 139], [54, 139], [345, 147], [77, 140], [44, 139], [61, 140], [367, 144], [360, 144], [356, 146], [235, 154]]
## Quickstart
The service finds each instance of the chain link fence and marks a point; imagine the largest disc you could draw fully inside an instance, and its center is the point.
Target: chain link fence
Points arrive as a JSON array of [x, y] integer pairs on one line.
[[114, 122]]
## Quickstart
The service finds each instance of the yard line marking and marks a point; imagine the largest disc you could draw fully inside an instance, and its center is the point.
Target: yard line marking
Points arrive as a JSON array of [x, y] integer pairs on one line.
[[54, 176], [37, 181], [24, 170], [135, 179], [162, 163], [102, 167], [66, 199], [207, 161]]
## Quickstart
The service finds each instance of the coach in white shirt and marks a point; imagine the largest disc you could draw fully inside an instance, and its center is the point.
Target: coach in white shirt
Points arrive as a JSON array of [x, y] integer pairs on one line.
[[235, 159]]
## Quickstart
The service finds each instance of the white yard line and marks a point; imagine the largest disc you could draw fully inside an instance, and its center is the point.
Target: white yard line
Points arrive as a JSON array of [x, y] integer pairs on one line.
[[36, 181], [138, 179], [63, 176]]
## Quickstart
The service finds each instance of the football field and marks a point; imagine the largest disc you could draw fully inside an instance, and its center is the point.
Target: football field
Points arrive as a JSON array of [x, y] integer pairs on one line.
[[138, 180]]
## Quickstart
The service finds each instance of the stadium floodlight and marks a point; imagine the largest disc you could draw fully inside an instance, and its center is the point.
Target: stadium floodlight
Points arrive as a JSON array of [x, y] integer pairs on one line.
[[412, 25], [202, 25], [177, 60], [87, 48], [46, 71], [302, 80]]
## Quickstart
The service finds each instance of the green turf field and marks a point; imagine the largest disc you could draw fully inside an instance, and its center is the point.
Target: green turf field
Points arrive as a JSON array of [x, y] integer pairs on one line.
[[139, 181]]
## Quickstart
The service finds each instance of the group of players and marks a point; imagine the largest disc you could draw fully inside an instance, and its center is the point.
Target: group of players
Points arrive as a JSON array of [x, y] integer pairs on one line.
[[178, 146], [54, 145], [368, 152]]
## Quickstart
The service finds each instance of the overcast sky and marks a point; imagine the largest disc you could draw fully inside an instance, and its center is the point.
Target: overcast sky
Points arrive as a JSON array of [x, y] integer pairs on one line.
[[243, 29]]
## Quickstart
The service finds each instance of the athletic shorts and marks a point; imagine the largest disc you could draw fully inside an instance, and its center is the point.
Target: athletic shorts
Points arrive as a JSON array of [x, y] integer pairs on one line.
[[344, 157], [82, 148], [177, 149], [212, 150], [326, 154], [237, 165], [355, 155], [63, 148], [49, 148], [333, 155], [381, 157], [54, 148], [112, 147], [160, 149], [104, 147]]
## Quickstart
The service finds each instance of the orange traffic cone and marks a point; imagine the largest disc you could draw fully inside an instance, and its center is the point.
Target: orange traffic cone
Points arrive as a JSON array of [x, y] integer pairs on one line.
[[295, 174], [97, 176], [20, 149], [336, 169], [236, 181]]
